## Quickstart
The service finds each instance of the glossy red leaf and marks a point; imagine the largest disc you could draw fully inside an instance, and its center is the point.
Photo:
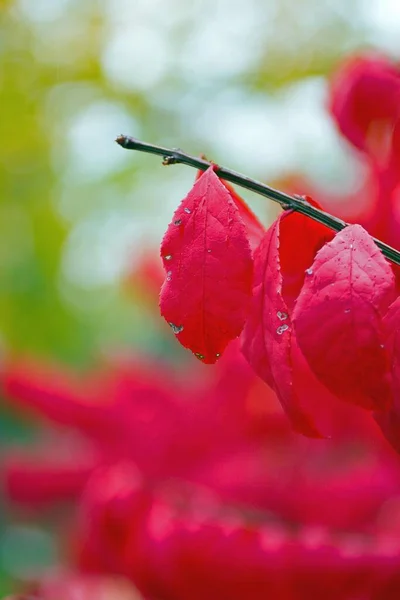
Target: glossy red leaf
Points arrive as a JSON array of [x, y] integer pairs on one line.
[[207, 258], [337, 318], [254, 228], [267, 337]]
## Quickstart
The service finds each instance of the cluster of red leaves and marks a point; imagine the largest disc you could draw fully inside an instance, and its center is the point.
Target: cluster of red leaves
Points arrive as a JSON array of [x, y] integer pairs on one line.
[[193, 485], [195, 547], [306, 302], [196, 485]]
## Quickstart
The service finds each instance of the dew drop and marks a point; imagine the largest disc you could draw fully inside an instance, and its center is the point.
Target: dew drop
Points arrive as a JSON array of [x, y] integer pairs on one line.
[[169, 275], [281, 329], [168, 257], [187, 210], [176, 328], [282, 316], [178, 222], [218, 354], [347, 310], [209, 250], [351, 246], [199, 356], [382, 345], [309, 271]]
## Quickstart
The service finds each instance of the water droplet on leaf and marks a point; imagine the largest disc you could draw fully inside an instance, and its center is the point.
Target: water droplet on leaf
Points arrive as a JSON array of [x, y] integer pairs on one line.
[[309, 271], [282, 315], [176, 328], [199, 356], [187, 210], [218, 354], [168, 257], [347, 310], [281, 329], [169, 275]]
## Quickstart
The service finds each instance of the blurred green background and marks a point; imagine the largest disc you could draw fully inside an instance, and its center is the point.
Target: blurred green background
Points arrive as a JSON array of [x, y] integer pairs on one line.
[[243, 81]]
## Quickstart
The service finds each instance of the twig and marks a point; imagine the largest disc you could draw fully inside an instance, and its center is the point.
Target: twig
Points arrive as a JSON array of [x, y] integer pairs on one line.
[[174, 156]]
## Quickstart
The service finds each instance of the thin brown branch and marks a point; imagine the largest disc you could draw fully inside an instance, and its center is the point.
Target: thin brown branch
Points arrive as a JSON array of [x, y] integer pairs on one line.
[[174, 156]]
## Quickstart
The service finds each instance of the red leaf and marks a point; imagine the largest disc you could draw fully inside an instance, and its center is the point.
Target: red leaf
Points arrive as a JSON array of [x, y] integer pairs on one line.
[[43, 476], [207, 257], [57, 394], [255, 229], [391, 329], [337, 318], [365, 95], [389, 420], [267, 337], [395, 149], [300, 240]]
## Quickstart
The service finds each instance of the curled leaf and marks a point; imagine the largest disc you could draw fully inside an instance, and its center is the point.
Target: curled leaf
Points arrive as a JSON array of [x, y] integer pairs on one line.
[[268, 340]]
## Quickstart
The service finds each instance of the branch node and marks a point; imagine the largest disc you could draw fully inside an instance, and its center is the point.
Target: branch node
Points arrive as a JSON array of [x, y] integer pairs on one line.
[[169, 160], [302, 199]]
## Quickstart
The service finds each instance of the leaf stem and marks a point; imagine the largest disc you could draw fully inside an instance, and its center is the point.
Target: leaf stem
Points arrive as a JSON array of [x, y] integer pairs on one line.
[[174, 156]]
